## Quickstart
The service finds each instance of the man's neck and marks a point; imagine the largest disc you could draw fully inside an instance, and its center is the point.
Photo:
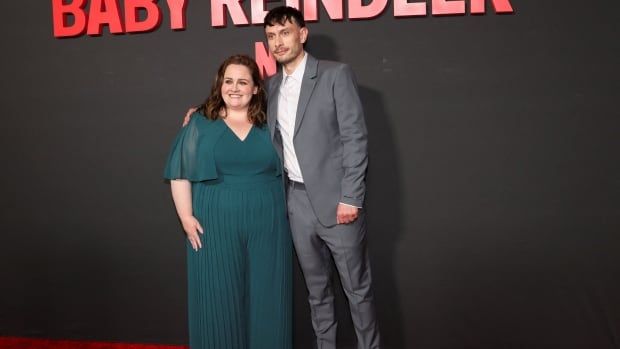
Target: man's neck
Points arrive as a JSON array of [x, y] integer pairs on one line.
[[292, 65]]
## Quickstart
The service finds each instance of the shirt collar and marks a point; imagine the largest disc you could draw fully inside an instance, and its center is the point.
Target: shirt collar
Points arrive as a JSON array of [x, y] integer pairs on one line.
[[298, 74]]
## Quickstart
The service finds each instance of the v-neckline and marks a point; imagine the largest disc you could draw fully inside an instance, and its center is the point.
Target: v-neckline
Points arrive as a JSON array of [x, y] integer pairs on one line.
[[236, 135]]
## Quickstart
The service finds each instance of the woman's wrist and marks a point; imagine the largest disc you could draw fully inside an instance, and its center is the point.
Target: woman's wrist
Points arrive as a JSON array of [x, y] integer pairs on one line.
[[186, 217]]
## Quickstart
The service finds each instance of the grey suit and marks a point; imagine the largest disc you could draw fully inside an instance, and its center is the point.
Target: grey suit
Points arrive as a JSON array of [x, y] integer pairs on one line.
[[330, 140]]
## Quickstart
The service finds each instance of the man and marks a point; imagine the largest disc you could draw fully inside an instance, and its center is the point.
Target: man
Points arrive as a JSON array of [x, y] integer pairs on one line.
[[317, 126]]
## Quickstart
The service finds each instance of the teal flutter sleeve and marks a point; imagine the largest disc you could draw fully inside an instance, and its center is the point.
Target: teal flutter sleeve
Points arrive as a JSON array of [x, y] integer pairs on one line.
[[191, 156]]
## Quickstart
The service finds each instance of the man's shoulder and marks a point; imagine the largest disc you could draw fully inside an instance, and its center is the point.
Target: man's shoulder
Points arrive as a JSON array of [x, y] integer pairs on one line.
[[331, 67], [327, 64]]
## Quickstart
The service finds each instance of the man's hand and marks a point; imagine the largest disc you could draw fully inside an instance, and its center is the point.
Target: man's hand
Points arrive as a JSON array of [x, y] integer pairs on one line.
[[188, 115], [346, 214]]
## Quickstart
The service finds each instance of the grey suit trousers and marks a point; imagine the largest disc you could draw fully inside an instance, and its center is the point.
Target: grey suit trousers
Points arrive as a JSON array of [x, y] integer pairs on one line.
[[315, 244]]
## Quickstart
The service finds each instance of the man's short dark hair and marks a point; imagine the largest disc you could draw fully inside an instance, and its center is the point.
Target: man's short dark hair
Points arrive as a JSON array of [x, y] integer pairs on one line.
[[281, 14]]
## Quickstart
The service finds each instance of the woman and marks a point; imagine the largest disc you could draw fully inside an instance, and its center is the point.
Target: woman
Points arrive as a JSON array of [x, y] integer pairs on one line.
[[226, 185]]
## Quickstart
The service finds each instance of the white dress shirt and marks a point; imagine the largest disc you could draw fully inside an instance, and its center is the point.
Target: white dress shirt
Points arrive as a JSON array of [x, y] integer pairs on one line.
[[288, 99]]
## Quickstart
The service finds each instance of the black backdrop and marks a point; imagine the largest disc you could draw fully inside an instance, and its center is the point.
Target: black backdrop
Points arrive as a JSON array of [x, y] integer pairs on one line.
[[493, 187]]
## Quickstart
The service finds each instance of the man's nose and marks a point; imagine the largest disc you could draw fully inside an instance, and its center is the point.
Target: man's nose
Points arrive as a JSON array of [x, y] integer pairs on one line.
[[278, 41]]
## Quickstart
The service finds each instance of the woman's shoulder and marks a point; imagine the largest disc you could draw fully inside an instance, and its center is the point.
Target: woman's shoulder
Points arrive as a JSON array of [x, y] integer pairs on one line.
[[202, 123], [197, 118], [261, 127]]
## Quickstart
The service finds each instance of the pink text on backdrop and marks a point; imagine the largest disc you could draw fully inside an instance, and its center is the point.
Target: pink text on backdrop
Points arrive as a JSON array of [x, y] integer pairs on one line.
[[108, 12], [356, 9]]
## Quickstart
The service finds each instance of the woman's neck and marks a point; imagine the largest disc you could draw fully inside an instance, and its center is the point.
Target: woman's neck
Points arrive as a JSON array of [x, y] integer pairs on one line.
[[237, 115]]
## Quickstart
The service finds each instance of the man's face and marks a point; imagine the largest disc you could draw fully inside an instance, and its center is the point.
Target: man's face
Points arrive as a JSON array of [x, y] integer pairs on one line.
[[286, 42]]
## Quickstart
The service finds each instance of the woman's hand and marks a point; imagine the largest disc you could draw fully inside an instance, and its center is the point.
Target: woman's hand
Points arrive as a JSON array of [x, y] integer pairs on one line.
[[182, 196], [192, 228]]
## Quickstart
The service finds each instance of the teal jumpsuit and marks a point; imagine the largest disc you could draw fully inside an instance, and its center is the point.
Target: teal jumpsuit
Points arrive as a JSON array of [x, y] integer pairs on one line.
[[239, 282]]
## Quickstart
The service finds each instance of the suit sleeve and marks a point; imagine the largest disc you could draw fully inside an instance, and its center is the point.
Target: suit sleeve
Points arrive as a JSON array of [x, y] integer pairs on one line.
[[353, 135]]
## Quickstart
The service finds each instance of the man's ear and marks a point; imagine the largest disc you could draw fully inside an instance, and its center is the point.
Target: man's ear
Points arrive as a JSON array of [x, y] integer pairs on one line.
[[303, 35]]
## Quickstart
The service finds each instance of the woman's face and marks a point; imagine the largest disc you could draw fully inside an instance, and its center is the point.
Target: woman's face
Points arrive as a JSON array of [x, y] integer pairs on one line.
[[238, 87]]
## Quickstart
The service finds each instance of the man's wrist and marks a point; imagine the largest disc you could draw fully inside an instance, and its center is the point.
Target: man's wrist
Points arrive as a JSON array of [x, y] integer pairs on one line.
[[344, 203]]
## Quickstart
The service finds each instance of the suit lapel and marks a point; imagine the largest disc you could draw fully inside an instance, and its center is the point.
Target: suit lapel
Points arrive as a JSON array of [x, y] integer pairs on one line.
[[272, 103], [307, 86]]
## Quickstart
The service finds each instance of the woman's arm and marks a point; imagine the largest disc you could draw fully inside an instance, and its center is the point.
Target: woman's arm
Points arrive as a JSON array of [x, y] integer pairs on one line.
[[182, 197]]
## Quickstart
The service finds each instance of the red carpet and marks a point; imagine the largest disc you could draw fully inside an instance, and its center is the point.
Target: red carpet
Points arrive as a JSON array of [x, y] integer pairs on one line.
[[31, 343]]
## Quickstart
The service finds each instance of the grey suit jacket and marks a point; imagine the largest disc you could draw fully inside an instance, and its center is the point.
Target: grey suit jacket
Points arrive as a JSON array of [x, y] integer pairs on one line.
[[330, 136]]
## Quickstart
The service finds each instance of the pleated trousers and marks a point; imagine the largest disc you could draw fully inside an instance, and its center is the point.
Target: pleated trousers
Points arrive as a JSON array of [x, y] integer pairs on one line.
[[239, 282]]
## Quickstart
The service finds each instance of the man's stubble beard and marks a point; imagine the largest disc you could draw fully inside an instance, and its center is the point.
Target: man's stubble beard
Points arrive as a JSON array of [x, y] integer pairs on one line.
[[287, 60]]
